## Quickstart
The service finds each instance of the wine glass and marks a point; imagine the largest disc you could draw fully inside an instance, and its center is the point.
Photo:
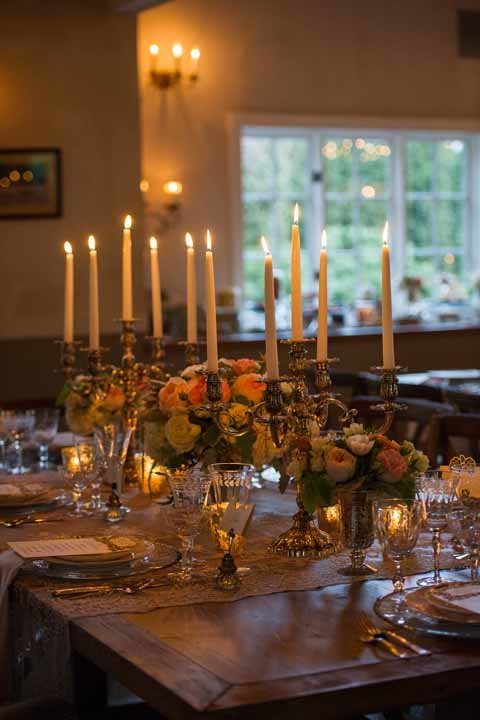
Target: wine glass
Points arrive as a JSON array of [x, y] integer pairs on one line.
[[189, 491], [112, 442], [465, 521], [437, 495], [45, 430], [18, 426], [398, 524], [78, 467]]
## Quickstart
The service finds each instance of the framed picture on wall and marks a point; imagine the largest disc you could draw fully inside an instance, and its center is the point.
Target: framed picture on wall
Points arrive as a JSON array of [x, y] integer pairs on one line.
[[30, 183]]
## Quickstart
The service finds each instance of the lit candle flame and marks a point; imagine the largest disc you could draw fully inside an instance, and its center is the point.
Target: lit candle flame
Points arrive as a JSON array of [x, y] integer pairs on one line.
[[154, 49], [264, 244], [188, 240], [195, 53], [177, 50], [324, 239], [153, 243], [208, 240], [91, 242], [127, 222], [296, 213], [385, 233], [68, 248]]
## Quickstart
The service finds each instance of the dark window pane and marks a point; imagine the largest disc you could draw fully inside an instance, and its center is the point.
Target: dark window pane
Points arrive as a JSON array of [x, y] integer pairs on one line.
[[419, 223], [373, 167], [450, 165], [257, 164], [337, 158], [419, 165], [450, 222], [340, 225], [292, 163]]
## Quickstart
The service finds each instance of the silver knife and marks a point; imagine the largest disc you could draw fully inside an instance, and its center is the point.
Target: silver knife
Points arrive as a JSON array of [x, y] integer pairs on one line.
[[395, 637]]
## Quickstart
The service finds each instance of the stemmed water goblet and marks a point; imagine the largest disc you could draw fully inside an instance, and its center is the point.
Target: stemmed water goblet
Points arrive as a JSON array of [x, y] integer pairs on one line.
[[18, 426], [437, 495], [465, 520], [398, 524], [79, 468], [45, 430], [189, 492]]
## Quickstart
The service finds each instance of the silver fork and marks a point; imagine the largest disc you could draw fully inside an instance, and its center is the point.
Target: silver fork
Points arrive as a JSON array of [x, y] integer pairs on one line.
[[367, 637], [379, 633]]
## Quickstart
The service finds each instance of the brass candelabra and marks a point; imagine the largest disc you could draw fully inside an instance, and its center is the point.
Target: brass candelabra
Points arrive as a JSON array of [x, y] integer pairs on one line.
[[128, 375]]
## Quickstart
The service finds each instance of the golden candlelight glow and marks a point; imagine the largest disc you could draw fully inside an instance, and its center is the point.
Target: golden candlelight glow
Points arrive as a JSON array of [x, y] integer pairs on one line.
[[127, 224], [154, 49], [195, 53], [173, 187], [153, 243], [208, 240], [188, 240], [264, 244], [177, 50], [324, 239], [68, 248], [296, 214], [385, 233], [91, 242], [144, 186]]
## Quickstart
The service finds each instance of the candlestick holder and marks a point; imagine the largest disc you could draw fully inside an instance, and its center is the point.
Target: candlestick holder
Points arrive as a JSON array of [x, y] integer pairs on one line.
[[269, 412], [67, 358], [192, 353], [326, 398], [303, 539], [158, 365], [389, 393], [219, 411]]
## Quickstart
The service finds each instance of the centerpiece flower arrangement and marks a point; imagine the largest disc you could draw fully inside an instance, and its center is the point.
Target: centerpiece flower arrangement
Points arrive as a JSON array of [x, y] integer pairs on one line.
[[179, 431], [88, 406], [354, 460]]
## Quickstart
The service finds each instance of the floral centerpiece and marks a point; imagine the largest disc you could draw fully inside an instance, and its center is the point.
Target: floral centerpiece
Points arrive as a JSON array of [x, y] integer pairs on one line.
[[88, 406], [179, 431], [352, 460]]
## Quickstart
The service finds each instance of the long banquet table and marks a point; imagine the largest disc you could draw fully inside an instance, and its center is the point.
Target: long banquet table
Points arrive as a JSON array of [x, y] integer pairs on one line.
[[287, 642]]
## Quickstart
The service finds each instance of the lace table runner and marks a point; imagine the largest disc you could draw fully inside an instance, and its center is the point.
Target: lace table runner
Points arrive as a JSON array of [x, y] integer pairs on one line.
[[40, 622]]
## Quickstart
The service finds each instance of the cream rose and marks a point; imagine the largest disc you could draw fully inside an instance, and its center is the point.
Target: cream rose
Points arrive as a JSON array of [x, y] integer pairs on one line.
[[360, 444], [340, 464]]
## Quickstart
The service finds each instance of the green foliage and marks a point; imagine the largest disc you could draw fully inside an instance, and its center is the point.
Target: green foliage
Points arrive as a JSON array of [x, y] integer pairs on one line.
[[316, 490], [62, 395]]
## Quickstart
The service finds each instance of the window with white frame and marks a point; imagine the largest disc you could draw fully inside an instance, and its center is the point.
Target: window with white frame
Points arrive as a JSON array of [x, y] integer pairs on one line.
[[351, 181]]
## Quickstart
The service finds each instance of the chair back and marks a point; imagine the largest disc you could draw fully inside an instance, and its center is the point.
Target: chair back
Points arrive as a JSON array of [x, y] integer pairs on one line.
[[452, 435]]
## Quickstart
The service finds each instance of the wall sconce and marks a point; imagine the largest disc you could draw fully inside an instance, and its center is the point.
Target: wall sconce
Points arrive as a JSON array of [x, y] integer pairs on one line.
[[169, 213], [165, 79]]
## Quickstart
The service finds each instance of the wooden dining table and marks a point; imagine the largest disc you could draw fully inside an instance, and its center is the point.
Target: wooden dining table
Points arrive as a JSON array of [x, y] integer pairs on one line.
[[271, 654]]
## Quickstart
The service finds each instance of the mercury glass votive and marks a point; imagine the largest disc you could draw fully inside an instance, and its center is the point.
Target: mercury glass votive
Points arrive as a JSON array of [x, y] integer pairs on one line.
[[329, 520], [152, 478]]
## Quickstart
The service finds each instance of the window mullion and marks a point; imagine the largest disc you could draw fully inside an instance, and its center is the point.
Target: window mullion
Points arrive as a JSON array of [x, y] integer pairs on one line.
[[398, 206]]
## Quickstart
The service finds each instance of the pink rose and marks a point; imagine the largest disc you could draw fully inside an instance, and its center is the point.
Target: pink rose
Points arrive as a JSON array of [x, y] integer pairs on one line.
[[244, 366], [173, 395], [340, 464], [249, 386], [392, 466]]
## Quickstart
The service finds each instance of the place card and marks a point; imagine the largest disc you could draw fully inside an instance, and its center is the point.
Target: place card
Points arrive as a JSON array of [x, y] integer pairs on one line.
[[236, 517], [29, 549]]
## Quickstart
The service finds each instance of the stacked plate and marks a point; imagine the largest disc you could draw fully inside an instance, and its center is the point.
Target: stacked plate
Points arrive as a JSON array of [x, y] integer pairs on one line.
[[128, 555], [28, 496], [451, 609]]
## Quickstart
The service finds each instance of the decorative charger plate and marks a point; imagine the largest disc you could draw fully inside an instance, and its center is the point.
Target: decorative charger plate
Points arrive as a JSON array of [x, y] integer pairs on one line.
[[30, 495], [413, 610], [124, 560]]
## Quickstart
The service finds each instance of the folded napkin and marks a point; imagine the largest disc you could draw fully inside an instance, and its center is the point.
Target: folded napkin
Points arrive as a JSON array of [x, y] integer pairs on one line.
[[10, 563], [465, 597], [115, 557]]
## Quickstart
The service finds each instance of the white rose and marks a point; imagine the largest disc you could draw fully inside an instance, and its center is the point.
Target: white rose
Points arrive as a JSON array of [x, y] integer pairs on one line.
[[193, 370], [359, 444], [354, 429]]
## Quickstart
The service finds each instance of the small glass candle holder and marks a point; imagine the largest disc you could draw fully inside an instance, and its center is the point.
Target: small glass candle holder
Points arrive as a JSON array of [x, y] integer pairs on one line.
[[79, 458], [153, 478], [329, 521]]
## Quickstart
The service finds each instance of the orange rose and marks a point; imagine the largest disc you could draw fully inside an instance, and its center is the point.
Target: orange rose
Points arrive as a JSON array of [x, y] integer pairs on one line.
[[244, 366], [391, 465], [385, 442], [197, 390], [173, 395], [249, 386], [115, 399]]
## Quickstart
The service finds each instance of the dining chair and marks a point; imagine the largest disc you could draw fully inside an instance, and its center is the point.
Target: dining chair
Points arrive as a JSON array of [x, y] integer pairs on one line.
[[452, 435], [463, 401], [411, 424]]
